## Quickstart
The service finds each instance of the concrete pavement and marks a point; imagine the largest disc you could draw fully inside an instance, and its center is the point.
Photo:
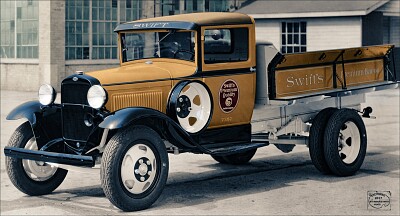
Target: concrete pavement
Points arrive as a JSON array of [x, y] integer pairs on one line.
[[273, 183]]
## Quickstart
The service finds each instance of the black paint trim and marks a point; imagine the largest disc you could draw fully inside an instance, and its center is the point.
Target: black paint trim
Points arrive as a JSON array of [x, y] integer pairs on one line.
[[217, 73], [135, 82], [271, 74], [194, 76], [241, 134], [199, 52], [328, 63], [91, 80]]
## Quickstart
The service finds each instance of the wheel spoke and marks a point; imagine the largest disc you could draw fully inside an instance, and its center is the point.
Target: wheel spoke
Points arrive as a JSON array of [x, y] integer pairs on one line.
[[191, 92], [346, 133], [196, 111], [346, 150], [196, 108], [184, 122], [127, 169]]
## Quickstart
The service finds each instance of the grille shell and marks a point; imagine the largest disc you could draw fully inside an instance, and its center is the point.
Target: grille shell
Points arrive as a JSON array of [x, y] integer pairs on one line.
[[75, 107]]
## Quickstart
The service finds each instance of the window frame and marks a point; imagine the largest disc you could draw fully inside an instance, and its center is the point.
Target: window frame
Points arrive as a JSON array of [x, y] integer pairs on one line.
[[250, 62], [122, 63], [23, 41], [285, 36]]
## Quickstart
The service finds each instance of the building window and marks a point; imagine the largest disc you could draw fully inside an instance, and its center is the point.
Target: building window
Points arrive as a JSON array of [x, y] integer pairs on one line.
[[294, 37], [205, 5], [89, 28], [77, 29], [19, 29], [168, 8], [130, 10], [105, 19]]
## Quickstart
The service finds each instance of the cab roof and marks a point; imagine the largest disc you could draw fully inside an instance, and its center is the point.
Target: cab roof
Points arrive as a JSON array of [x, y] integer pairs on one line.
[[187, 21]]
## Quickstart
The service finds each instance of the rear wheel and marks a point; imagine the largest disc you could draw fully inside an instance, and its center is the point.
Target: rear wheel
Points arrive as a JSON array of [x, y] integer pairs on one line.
[[236, 159], [31, 177], [134, 168], [316, 139], [345, 142]]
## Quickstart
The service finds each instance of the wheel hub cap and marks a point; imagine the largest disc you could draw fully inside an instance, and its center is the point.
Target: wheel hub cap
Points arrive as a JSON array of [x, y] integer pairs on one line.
[[37, 170], [142, 169], [138, 168]]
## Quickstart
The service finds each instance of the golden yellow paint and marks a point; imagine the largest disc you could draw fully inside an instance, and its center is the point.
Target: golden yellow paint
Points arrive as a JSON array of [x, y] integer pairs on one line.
[[244, 109]]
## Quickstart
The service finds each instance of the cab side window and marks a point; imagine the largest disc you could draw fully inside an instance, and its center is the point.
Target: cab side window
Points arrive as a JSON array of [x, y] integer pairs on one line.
[[226, 45]]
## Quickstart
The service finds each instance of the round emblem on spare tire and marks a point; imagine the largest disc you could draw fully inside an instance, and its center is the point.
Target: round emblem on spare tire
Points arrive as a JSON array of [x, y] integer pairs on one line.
[[228, 96]]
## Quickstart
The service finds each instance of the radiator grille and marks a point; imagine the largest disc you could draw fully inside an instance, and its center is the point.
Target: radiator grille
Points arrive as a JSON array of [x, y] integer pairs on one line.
[[75, 107], [74, 127], [74, 93], [150, 99]]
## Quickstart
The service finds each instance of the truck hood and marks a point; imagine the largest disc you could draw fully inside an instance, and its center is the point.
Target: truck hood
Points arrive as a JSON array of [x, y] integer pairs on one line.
[[143, 72]]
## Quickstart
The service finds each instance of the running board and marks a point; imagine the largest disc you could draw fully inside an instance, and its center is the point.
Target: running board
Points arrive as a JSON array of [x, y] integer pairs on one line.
[[235, 149], [60, 158]]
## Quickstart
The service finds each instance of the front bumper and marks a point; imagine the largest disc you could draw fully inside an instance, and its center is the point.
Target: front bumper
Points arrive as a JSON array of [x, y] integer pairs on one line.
[[52, 157]]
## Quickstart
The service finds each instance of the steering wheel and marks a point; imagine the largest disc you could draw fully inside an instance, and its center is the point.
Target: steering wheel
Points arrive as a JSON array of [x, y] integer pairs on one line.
[[184, 51]]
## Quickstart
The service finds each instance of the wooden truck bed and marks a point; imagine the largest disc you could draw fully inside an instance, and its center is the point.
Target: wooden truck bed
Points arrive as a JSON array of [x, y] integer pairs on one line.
[[331, 73]]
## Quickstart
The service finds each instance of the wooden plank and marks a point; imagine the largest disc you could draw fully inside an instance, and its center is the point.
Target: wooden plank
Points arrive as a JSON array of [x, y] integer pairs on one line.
[[313, 72]]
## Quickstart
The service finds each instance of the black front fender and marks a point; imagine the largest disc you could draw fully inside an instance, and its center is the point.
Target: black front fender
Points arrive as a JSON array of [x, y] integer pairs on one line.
[[26, 110], [164, 125], [45, 120], [127, 116]]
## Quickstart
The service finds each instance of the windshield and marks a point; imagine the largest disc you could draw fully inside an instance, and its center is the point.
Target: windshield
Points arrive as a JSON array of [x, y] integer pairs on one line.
[[158, 44]]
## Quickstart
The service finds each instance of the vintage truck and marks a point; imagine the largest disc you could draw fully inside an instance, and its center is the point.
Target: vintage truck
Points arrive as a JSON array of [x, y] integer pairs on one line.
[[195, 83]]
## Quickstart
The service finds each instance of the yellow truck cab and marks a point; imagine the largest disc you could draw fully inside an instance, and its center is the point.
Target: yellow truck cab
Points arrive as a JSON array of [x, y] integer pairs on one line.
[[195, 83]]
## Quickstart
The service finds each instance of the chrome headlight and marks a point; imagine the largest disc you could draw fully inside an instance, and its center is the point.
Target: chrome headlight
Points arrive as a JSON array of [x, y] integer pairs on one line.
[[96, 96], [47, 94]]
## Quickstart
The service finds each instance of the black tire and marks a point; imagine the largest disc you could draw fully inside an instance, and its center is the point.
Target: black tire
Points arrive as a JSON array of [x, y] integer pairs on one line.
[[18, 174], [236, 159], [316, 139], [116, 150], [343, 122]]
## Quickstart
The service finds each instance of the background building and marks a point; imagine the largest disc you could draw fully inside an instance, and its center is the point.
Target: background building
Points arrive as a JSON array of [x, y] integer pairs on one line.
[[45, 41], [298, 26]]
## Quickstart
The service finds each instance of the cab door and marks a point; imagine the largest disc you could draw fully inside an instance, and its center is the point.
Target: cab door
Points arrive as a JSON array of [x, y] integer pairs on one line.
[[228, 69]]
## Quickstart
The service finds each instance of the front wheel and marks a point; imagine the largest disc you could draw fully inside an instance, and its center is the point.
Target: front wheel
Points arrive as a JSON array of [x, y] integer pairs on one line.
[[345, 142], [31, 177], [236, 159], [134, 168]]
